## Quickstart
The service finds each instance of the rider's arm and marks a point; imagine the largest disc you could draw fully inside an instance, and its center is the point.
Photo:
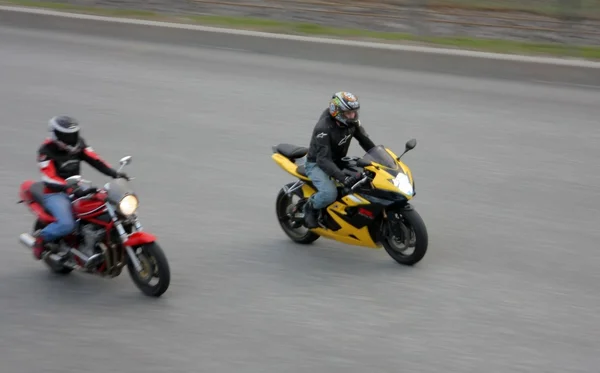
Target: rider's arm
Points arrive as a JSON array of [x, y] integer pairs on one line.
[[49, 175], [363, 139], [90, 157], [324, 160]]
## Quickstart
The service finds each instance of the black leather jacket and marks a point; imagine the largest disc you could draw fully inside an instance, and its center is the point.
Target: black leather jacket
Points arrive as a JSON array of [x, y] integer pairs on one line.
[[330, 143]]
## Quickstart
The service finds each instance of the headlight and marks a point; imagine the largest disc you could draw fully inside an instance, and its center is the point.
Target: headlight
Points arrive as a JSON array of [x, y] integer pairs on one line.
[[128, 205], [402, 182]]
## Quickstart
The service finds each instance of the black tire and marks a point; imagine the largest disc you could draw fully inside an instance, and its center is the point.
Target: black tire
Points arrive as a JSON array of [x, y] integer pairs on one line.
[[413, 220], [53, 266], [281, 209], [150, 255]]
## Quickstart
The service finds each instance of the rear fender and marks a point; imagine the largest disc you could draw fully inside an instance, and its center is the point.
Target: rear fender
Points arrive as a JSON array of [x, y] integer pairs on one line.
[[140, 238], [35, 207], [24, 194], [289, 166]]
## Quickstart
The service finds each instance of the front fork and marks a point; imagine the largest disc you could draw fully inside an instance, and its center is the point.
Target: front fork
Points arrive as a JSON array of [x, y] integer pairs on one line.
[[394, 226], [124, 236]]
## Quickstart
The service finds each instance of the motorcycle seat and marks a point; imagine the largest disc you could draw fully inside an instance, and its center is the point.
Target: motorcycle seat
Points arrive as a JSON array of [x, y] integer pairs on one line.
[[290, 151]]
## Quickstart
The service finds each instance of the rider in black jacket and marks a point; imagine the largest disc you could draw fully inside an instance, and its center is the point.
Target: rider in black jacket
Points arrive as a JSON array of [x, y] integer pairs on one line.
[[329, 143]]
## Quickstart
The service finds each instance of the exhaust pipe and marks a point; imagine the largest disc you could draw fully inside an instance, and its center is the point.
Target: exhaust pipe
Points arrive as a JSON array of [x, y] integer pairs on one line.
[[27, 240], [88, 261]]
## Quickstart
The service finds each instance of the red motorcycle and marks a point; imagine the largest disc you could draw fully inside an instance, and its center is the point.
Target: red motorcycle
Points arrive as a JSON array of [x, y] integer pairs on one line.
[[108, 234]]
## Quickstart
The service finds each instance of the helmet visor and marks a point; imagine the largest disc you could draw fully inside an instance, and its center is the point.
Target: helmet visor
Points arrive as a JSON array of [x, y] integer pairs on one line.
[[67, 138], [350, 114]]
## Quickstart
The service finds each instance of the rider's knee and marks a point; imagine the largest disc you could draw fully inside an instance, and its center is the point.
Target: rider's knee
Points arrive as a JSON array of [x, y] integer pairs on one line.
[[329, 195], [65, 226]]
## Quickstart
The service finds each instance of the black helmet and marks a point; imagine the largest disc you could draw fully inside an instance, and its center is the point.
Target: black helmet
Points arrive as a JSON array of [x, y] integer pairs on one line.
[[64, 130]]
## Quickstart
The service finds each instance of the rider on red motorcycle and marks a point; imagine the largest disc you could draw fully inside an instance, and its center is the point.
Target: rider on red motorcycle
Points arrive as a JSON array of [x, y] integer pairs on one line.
[[59, 158]]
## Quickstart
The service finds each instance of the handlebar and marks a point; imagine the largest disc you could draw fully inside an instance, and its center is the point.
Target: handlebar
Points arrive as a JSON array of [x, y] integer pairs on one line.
[[90, 192], [86, 186], [360, 182]]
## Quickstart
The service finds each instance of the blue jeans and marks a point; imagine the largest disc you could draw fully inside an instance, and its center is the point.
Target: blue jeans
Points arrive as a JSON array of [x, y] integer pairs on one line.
[[326, 189], [59, 206]]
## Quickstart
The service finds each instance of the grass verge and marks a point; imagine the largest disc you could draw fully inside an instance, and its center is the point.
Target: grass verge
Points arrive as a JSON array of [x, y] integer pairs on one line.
[[589, 9], [257, 24]]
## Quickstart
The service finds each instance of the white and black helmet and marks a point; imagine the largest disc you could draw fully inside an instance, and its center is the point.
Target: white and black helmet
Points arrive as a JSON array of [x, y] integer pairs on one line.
[[64, 130], [345, 108]]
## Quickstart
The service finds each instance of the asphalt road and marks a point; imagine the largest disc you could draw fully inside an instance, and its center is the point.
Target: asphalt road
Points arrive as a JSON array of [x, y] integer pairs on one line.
[[507, 177]]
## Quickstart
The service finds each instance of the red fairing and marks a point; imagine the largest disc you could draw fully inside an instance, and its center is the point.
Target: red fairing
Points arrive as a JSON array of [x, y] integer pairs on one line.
[[140, 238]]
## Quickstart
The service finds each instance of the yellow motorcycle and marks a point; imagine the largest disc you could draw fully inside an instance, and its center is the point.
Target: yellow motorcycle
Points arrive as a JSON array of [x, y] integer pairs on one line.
[[372, 213]]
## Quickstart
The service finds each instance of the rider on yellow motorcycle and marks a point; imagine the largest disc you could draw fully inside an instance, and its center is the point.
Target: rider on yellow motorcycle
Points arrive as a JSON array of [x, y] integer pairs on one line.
[[330, 142]]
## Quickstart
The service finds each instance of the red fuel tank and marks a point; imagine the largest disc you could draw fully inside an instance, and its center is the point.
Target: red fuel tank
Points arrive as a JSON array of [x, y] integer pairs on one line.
[[87, 208]]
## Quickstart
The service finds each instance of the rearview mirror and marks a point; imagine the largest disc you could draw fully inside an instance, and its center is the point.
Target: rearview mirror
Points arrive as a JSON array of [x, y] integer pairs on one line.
[[125, 160], [73, 180], [410, 145]]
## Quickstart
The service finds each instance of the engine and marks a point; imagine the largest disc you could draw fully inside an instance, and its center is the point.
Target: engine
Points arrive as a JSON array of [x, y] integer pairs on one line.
[[91, 236]]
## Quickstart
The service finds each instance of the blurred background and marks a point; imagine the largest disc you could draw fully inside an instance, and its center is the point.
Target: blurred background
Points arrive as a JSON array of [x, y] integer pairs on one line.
[[569, 27]]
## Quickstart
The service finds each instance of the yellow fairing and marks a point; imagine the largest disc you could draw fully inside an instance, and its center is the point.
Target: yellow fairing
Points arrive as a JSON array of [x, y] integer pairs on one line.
[[352, 200], [347, 232], [404, 166], [382, 180], [344, 233], [363, 238], [287, 165]]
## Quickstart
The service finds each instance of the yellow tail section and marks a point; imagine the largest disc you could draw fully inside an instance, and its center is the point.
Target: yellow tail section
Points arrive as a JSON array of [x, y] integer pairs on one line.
[[308, 191], [289, 166]]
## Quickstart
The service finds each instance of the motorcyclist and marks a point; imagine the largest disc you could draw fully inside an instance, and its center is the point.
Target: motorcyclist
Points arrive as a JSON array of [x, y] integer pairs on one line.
[[329, 143], [59, 158]]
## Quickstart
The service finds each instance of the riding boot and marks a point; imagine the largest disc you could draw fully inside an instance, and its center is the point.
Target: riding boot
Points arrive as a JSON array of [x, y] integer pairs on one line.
[[39, 247], [311, 216]]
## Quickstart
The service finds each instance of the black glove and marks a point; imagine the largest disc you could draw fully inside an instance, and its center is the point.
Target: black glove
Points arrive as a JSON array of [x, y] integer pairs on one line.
[[351, 180], [121, 175]]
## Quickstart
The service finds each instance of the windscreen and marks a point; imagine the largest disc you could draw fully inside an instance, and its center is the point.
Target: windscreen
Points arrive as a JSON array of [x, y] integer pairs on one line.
[[117, 189], [379, 155]]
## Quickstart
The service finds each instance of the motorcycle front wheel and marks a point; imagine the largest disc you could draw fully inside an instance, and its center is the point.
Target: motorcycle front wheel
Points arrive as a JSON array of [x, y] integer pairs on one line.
[[414, 236], [154, 265]]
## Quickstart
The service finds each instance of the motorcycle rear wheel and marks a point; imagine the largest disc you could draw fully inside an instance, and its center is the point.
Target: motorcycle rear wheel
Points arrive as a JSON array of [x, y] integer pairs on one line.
[[283, 208]]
